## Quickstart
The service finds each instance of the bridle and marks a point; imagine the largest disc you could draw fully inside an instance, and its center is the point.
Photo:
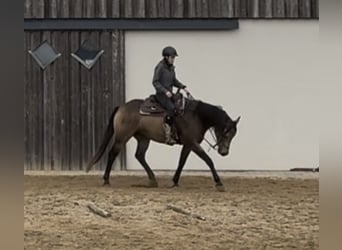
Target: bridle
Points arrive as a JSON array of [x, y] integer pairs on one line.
[[211, 130], [213, 146]]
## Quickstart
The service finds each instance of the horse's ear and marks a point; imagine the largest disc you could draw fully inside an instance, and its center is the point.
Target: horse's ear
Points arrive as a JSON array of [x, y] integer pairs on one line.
[[237, 120]]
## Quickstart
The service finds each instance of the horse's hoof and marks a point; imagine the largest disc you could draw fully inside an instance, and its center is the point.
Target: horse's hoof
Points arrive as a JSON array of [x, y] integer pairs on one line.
[[175, 185], [153, 183], [106, 183], [220, 188]]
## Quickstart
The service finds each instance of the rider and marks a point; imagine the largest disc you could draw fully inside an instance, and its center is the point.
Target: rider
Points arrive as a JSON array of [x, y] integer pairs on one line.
[[163, 80]]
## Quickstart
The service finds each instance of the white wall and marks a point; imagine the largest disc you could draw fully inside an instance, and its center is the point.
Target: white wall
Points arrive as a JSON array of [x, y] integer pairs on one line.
[[266, 72]]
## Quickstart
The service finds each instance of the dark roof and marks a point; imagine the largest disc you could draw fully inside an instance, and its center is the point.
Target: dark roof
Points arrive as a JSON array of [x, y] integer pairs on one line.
[[284, 9]]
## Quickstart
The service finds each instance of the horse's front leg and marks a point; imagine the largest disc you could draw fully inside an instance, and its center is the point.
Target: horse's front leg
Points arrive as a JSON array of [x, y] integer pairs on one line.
[[197, 149], [183, 157]]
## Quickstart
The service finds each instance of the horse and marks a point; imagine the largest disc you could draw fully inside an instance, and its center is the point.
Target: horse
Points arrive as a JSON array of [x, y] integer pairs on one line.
[[197, 118]]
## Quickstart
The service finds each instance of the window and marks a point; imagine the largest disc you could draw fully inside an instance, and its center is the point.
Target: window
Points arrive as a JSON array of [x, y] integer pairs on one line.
[[87, 54], [44, 54]]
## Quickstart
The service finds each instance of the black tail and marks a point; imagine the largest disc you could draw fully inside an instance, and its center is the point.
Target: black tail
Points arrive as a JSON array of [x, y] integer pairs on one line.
[[108, 135]]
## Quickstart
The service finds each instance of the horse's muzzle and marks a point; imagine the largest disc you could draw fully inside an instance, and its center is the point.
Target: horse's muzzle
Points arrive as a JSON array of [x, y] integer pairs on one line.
[[223, 152]]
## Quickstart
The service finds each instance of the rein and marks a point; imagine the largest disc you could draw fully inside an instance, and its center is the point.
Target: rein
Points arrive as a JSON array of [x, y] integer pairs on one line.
[[213, 146]]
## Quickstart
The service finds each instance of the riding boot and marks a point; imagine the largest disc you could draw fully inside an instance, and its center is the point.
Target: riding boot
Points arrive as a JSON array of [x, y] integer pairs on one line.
[[169, 138], [168, 134]]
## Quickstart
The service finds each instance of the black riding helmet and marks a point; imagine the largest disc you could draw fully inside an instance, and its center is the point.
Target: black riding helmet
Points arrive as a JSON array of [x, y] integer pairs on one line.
[[169, 51]]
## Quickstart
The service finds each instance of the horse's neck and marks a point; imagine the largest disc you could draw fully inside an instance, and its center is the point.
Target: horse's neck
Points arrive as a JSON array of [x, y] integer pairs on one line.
[[210, 116]]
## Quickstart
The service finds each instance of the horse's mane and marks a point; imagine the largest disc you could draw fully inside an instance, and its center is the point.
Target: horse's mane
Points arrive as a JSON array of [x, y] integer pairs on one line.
[[212, 115]]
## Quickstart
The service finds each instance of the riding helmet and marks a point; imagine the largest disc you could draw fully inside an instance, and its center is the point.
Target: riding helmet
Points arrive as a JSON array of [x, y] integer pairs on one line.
[[169, 51]]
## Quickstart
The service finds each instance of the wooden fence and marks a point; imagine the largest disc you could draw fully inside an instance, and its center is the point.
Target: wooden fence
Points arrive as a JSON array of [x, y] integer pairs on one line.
[[171, 8], [67, 106]]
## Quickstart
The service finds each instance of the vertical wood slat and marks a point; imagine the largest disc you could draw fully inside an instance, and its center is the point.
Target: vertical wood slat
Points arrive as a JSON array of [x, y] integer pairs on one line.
[[88, 8], [76, 8], [128, 8], [304, 8], [198, 8], [67, 80], [34, 68], [214, 8], [116, 66], [243, 9], [253, 9], [278, 8], [262, 7], [40, 118], [86, 107], [108, 80], [48, 112], [28, 8], [115, 8], [65, 10], [93, 81], [177, 8], [75, 105], [56, 104], [96, 104], [64, 100], [104, 99], [53, 9], [121, 83], [85, 135], [35, 106], [139, 8], [191, 8], [160, 8], [102, 8], [237, 8], [268, 8], [291, 8], [59, 104], [227, 7], [28, 101], [167, 8], [38, 8], [314, 8], [151, 8], [205, 8]]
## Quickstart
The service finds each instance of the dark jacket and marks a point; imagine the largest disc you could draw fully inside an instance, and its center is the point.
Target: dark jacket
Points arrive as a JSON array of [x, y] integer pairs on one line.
[[165, 78]]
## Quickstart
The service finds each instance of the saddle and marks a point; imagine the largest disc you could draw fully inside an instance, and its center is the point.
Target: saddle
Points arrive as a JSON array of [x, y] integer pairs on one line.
[[150, 106]]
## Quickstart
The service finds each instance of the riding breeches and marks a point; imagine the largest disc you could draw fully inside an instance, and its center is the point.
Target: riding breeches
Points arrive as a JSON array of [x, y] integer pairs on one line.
[[166, 103]]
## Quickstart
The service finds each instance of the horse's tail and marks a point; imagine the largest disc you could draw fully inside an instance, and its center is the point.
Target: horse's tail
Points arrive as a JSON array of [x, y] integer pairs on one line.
[[108, 135]]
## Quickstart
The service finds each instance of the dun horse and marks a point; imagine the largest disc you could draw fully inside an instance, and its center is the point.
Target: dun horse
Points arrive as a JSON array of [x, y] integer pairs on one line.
[[126, 122]]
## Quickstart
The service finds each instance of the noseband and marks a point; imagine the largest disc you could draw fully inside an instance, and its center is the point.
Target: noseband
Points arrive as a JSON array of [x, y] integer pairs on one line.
[[213, 146]]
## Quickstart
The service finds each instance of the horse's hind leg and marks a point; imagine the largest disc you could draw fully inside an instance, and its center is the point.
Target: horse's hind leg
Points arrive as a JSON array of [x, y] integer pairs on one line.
[[113, 153], [140, 154]]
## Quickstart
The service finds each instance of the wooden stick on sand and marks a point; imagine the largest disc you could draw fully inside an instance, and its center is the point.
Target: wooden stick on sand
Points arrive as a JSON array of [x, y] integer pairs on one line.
[[182, 211], [93, 208]]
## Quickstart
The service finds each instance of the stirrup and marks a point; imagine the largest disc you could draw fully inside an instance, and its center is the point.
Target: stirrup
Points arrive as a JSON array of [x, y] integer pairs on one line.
[[168, 135]]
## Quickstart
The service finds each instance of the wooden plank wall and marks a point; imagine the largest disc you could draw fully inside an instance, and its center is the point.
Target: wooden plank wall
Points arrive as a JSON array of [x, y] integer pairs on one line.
[[171, 8], [66, 113]]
